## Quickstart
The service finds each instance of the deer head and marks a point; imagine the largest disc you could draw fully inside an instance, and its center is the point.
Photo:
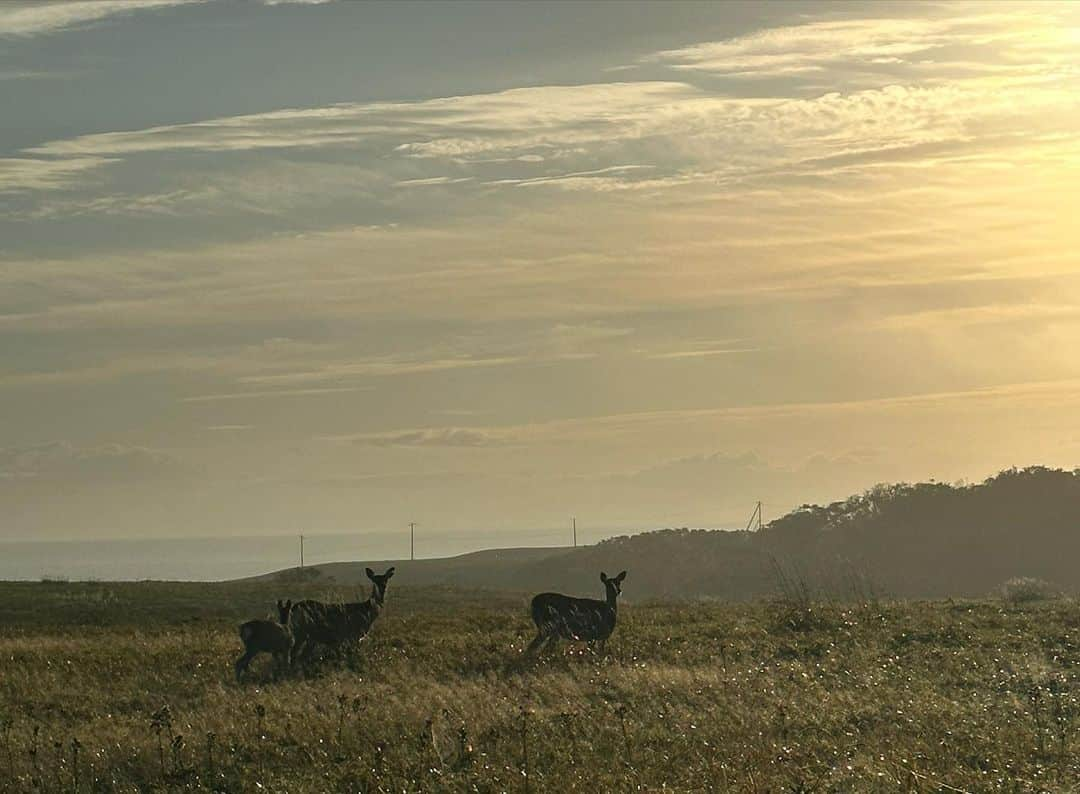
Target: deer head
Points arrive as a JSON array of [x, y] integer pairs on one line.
[[613, 585], [380, 581]]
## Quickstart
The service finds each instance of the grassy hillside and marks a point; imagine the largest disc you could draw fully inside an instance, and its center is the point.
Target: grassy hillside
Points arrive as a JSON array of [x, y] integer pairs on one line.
[[927, 540], [764, 696]]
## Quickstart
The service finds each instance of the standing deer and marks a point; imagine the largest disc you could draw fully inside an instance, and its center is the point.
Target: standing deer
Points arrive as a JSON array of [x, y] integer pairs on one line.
[[266, 636], [333, 624], [557, 615]]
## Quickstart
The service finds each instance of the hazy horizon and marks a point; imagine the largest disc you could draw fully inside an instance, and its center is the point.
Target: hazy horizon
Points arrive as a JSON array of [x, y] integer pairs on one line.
[[226, 557], [284, 266]]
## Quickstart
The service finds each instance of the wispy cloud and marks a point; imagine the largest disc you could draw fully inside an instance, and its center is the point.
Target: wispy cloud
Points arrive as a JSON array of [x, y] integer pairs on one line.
[[384, 366], [514, 119], [720, 351], [30, 74], [434, 180], [678, 134], [63, 460], [19, 174], [575, 178], [40, 18], [585, 428], [434, 437], [255, 395], [877, 49]]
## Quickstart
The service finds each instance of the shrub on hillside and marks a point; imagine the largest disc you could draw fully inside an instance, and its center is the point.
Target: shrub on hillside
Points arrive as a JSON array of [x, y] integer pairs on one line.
[[1028, 589]]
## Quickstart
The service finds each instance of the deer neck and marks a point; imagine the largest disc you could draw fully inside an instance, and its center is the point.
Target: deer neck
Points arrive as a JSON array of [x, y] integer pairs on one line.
[[377, 597], [612, 597]]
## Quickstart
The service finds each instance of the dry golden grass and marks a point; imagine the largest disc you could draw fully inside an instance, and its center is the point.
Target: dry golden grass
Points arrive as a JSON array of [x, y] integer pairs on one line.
[[762, 697]]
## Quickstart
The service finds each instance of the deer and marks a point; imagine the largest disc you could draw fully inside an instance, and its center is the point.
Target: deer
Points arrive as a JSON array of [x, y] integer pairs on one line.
[[560, 616], [316, 622], [267, 636]]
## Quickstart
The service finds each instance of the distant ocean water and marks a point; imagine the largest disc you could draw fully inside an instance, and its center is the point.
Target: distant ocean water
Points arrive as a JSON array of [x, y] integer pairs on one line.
[[213, 559]]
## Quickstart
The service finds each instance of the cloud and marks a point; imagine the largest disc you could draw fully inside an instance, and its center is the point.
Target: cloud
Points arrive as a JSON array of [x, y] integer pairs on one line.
[[256, 395], [167, 204], [434, 180], [596, 178], [378, 367], [954, 318], [515, 118], [722, 482], [703, 353], [18, 174], [437, 437], [37, 18], [30, 74], [679, 134], [20, 19], [876, 48], [863, 111], [64, 461], [594, 428]]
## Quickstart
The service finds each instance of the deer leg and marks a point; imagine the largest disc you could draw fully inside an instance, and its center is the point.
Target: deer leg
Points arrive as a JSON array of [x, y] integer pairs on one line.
[[281, 663], [302, 653], [294, 653], [243, 662], [536, 644]]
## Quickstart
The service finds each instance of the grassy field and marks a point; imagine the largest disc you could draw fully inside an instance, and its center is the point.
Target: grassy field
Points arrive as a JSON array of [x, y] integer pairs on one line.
[[129, 687]]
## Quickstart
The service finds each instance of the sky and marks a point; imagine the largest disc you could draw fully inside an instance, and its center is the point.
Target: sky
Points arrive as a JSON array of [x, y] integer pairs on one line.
[[272, 267]]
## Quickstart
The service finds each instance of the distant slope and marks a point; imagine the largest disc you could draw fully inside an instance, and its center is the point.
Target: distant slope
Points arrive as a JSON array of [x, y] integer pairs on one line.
[[921, 540], [492, 568]]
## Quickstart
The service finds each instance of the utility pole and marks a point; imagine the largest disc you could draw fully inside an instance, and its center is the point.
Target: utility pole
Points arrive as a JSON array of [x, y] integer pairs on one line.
[[412, 540], [573, 522], [758, 517], [301, 551]]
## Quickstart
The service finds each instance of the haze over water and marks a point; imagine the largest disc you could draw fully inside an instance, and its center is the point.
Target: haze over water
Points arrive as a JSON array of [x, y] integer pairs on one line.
[[214, 559]]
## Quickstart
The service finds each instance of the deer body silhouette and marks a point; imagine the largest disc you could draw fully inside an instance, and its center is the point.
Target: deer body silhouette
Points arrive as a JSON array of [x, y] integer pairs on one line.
[[267, 636], [319, 622], [560, 616]]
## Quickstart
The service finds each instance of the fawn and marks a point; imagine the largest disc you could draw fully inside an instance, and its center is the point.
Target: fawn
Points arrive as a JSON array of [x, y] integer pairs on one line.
[[267, 636]]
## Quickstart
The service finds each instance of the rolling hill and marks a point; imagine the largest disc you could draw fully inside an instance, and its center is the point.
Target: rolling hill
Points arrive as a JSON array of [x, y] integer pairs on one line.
[[906, 540]]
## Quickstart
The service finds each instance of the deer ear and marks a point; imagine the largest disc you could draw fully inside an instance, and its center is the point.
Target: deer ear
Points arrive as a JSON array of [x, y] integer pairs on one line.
[[288, 604], [603, 577], [370, 573], [620, 577], [390, 572], [279, 604]]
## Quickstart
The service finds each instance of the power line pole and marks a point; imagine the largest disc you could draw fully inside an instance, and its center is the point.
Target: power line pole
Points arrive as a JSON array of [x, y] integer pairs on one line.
[[412, 540], [756, 516], [573, 522], [301, 551]]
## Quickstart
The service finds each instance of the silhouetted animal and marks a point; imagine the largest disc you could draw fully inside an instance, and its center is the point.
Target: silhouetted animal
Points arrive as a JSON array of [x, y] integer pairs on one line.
[[561, 616], [316, 622], [266, 636]]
